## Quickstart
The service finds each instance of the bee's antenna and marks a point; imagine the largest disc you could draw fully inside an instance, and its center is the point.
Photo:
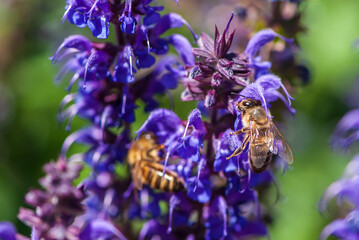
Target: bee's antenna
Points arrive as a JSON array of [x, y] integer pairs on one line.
[[243, 96], [234, 93]]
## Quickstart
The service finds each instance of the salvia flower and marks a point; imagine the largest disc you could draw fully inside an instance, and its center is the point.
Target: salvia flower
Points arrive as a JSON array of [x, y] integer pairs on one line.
[[218, 73], [346, 189], [219, 198], [57, 206]]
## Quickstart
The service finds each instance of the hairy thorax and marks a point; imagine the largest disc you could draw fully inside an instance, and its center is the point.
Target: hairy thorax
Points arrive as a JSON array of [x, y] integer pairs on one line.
[[257, 115]]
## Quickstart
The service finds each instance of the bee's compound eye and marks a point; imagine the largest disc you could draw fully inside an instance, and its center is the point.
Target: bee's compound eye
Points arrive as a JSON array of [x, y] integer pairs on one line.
[[247, 103], [148, 136]]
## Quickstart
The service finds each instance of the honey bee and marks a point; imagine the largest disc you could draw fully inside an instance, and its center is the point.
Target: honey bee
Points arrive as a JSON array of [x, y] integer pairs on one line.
[[144, 159], [262, 135]]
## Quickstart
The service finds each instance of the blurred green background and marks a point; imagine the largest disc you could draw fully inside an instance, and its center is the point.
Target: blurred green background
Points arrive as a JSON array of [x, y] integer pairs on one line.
[[30, 136]]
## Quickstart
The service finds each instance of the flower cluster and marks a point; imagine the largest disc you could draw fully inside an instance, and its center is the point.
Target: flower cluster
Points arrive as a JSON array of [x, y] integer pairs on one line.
[[346, 189], [129, 184], [220, 200], [56, 207]]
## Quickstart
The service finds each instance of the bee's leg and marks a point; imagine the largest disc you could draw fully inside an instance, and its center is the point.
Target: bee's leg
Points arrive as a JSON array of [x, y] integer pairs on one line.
[[240, 149], [239, 131], [159, 147], [153, 152]]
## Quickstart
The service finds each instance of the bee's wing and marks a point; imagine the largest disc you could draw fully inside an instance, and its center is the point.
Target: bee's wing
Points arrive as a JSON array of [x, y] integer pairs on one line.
[[281, 146], [137, 175]]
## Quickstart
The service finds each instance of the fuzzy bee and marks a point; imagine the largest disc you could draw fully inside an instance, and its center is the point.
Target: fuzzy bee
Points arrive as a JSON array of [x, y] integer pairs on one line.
[[262, 136], [144, 160]]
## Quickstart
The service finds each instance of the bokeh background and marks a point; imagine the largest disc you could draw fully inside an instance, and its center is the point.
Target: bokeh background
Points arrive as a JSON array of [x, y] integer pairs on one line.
[[30, 31]]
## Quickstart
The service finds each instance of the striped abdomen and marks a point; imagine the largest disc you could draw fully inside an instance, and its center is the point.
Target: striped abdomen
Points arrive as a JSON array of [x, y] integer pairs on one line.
[[259, 156], [152, 175]]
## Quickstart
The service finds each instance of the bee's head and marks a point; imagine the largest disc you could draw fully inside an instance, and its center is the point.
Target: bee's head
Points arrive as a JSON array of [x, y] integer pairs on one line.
[[247, 104], [148, 136]]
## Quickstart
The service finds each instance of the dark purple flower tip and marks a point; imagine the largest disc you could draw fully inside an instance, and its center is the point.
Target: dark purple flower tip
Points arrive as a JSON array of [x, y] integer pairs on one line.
[[100, 229], [347, 130], [7, 231], [223, 43], [260, 39], [344, 229]]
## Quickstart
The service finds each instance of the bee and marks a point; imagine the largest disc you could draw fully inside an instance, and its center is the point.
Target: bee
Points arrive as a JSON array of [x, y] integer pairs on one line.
[[144, 158], [262, 136]]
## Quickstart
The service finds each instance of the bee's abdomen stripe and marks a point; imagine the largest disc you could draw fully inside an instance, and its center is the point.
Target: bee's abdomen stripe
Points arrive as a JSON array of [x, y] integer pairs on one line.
[[164, 184], [146, 174]]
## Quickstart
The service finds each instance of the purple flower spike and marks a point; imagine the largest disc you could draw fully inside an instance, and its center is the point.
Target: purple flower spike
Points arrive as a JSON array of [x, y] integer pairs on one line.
[[7, 231], [346, 188], [219, 199], [58, 205]]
